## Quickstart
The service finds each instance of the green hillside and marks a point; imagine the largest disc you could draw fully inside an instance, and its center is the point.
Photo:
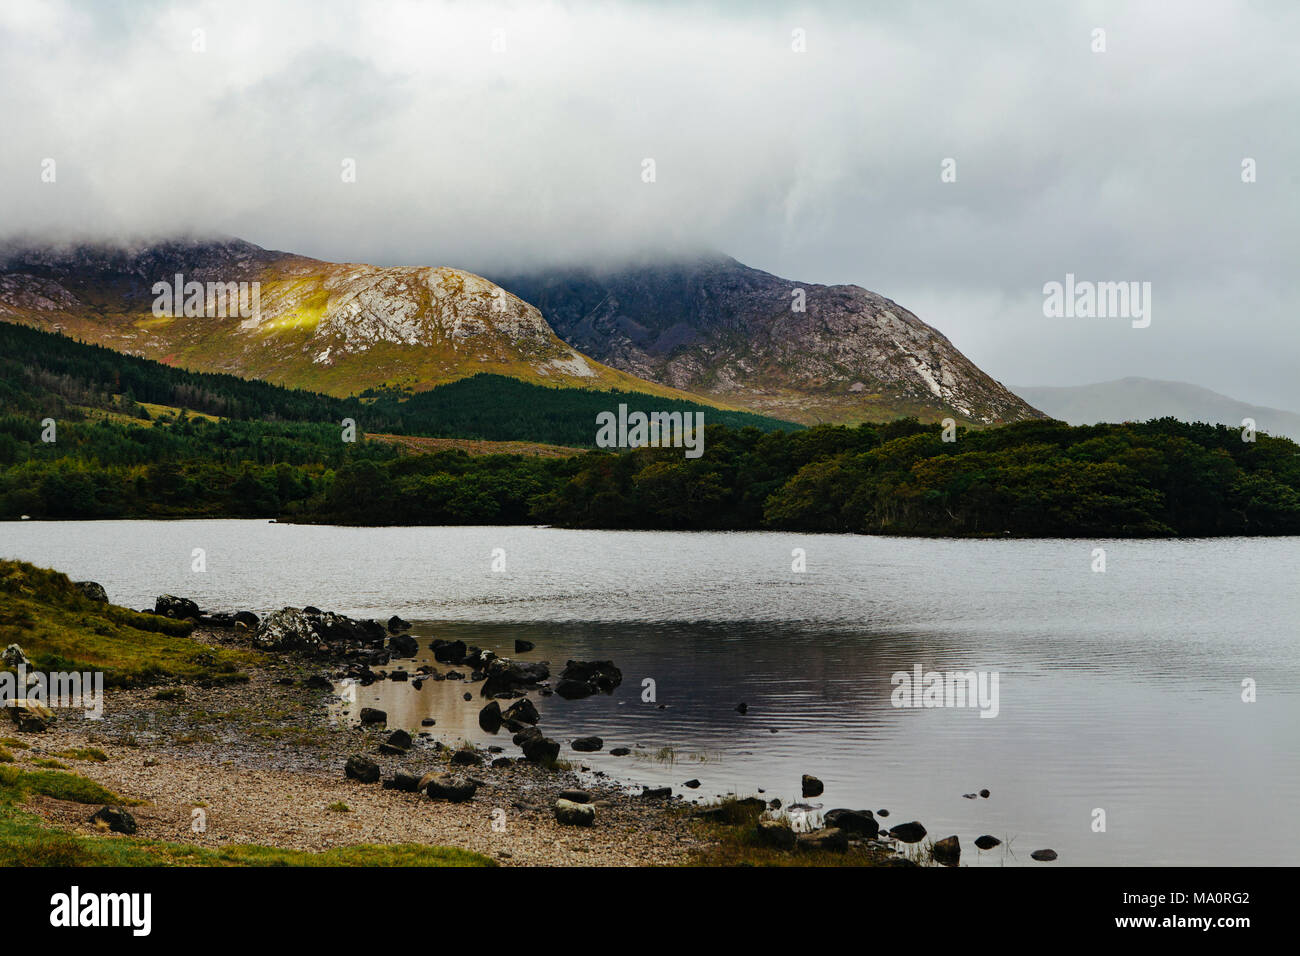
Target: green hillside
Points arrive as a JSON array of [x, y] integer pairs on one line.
[[48, 375], [1035, 478]]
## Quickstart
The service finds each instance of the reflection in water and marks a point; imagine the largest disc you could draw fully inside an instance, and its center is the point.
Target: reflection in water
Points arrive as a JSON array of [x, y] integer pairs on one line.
[[1118, 691]]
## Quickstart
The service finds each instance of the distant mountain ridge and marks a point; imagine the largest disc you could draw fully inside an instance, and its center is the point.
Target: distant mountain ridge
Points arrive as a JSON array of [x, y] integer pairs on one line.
[[1141, 399], [336, 328], [713, 326], [705, 328]]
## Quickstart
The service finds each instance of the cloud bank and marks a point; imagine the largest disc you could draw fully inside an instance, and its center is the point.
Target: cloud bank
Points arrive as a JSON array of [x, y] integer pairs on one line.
[[805, 140]]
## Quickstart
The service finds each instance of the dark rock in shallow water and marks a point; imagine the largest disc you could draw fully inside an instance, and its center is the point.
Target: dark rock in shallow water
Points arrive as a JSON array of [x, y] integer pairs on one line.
[[573, 689], [620, 751], [441, 786], [372, 715], [398, 742], [403, 645], [882, 813], [984, 794], [489, 718], [92, 590], [361, 768], [115, 818], [399, 676], [587, 744], [467, 696], [986, 842], [908, 832], [1043, 856], [830, 838], [467, 758], [947, 851], [169, 605], [692, 784], [523, 647], [584, 678], [858, 822], [742, 708], [505, 678], [601, 674], [812, 787], [657, 793], [427, 722], [448, 652], [396, 624], [522, 711]]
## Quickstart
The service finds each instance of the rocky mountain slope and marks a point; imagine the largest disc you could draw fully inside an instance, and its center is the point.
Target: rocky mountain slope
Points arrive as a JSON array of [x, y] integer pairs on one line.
[[716, 327], [1140, 399], [331, 327]]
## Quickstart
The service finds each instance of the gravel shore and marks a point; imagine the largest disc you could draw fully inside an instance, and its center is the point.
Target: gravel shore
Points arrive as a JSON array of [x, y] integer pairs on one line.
[[263, 762]]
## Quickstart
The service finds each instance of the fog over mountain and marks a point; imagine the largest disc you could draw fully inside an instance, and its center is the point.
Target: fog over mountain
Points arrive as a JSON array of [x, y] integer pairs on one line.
[[802, 140]]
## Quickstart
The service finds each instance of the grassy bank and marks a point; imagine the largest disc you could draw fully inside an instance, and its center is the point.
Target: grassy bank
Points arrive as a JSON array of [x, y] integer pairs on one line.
[[60, 629]]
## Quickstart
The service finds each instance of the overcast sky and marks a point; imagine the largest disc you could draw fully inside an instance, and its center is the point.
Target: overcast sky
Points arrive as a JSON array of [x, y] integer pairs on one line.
[[494, 136]]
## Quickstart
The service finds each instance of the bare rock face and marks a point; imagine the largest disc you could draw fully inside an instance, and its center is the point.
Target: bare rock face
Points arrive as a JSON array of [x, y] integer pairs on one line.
[[716, 327], [332, 327]]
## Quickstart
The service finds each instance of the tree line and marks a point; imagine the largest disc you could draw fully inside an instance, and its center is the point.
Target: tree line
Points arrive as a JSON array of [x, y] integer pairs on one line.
[[1037, 478]]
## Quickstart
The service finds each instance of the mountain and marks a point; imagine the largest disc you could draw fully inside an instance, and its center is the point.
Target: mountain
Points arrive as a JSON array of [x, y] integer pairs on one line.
[[329, 327], [1141, 399], [713, 326]]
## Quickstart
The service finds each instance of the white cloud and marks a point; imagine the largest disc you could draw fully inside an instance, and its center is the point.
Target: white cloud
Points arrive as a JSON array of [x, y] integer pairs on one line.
[[822, 166]]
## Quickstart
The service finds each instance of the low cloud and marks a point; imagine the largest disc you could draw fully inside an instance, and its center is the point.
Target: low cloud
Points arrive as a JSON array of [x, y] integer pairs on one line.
[[503, 136]]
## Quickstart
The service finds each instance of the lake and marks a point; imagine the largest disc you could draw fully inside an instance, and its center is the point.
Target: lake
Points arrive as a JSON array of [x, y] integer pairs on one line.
[[1118, 690]]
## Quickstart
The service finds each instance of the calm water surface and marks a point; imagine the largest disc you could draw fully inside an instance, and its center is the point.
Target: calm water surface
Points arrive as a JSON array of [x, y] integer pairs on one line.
[[1119, 691]]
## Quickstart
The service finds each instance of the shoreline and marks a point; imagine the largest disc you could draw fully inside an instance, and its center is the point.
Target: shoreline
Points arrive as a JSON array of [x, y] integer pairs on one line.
[[291, 521], [243, 726], [263, 763]]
